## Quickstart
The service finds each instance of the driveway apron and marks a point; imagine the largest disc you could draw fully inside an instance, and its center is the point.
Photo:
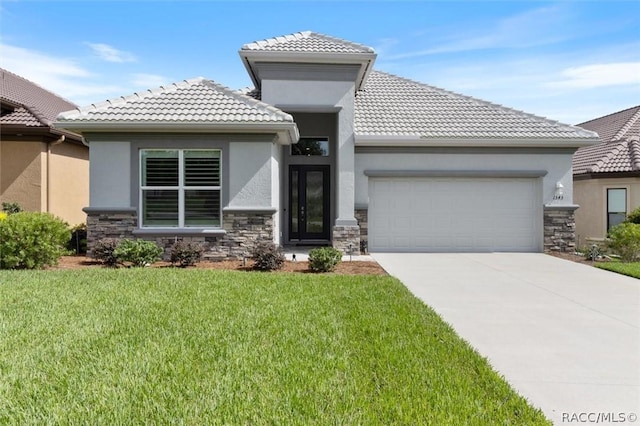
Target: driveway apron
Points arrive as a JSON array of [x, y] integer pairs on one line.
[[565, 335]]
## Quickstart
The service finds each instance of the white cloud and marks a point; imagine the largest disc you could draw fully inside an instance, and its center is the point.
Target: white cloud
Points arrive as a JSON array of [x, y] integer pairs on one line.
[[599, 75], [60, 75], [111, 54], [535, 27]]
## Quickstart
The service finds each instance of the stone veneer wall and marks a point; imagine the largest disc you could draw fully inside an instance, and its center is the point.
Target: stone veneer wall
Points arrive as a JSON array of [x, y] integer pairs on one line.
[[559, 228], [242, 232], [362, 216], [346, 239]]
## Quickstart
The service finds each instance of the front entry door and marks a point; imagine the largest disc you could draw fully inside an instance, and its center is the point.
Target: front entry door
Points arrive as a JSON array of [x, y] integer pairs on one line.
[[309, 203]]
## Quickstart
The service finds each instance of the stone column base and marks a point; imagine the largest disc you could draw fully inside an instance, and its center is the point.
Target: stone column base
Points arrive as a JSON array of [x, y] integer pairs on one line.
[[346, 239], [559, 228]]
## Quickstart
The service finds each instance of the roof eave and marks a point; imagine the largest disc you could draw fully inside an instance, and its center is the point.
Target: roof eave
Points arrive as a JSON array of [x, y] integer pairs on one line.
[[417, 140], [287, 133], [365, 60]]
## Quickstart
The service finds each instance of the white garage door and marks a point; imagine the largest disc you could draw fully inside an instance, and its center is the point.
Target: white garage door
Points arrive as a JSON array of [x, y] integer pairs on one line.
[[454, 214]]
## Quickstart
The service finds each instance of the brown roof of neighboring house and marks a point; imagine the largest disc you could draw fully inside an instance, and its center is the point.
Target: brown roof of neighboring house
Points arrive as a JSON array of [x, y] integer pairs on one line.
[[26, 104], [620, 148]]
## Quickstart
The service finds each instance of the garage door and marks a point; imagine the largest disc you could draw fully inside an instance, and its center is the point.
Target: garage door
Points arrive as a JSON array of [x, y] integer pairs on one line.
[[454, 214]]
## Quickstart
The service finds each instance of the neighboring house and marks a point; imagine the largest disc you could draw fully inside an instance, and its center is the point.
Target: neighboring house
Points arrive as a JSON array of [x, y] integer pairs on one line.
[[606, 176], [326, 150], [41, 168]]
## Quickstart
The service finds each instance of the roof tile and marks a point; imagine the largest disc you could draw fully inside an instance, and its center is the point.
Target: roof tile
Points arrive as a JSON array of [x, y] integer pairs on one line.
[[307, 41]]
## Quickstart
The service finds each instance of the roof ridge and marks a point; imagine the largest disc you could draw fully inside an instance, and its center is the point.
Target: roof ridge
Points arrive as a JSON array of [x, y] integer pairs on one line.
[[634, 153], [38, 115], [4, 70], [608, 115], [491, 104], [274, 41], [158, 90], [625, 128]]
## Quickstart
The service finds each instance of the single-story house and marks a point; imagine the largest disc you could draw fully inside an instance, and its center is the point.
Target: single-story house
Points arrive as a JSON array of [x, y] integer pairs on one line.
[[41, 168], [606, 176], [326, 150]]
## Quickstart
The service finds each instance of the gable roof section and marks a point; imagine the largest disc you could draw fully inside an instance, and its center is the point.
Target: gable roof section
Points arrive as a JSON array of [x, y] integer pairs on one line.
[[619, 151], [307, 47], [30, 105], [397, 109], [309, 42], [191, 105]]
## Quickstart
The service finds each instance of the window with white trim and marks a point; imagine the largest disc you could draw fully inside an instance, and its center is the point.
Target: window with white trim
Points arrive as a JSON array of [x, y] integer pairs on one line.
[[180, 188], [616, 206]]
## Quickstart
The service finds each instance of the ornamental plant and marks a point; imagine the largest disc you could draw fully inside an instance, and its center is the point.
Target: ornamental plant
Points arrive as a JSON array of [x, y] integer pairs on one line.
[[186, 253], [138, 252], [267, 257], [624, 240], [31, 240], [324, 259], [103, 250]]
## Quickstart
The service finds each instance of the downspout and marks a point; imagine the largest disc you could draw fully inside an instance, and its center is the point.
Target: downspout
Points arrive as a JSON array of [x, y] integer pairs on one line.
[[49, 145]]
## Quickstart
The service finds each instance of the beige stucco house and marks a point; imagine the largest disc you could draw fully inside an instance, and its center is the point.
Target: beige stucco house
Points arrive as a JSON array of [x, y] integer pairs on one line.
[[606, 176], [326, 150], [41, 168]]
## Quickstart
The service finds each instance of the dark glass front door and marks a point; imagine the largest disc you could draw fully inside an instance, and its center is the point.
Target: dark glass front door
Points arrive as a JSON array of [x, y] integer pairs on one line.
[[309, 202]]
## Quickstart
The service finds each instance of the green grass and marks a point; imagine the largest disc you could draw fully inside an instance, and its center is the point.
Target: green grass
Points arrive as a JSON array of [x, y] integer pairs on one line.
[[158, 346], [630, 269]]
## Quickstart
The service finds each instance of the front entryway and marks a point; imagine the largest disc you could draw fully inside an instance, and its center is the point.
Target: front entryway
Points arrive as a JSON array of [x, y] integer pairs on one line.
[[309, 208]]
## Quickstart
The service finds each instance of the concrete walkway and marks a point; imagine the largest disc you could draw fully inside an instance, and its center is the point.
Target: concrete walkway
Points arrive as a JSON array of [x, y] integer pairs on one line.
[[565, 335]]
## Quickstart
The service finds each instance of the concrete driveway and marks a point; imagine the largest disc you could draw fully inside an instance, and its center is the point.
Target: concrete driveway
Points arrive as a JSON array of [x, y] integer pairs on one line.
[[565, 335]]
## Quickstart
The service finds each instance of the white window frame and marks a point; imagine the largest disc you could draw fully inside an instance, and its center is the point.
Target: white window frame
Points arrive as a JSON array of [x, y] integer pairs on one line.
[[181, 188]]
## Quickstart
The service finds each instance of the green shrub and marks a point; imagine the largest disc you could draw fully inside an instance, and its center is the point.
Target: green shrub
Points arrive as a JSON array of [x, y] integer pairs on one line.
[[11, 208], [78, 241], [324, 259], [267, 257], [138, 252], [624, 240], [103, 250], [634, 216], [31, 240], [186, 254]]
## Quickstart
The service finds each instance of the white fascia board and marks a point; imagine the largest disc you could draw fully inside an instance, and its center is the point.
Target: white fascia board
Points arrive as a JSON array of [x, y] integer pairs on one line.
[[416, 140], [365, 60], [287, 133]]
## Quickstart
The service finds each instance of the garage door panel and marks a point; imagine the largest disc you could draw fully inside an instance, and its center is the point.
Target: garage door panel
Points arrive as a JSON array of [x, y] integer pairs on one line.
[[454, 214]]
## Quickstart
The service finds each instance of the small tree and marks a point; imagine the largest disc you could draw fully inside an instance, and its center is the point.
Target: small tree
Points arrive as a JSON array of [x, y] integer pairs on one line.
[[634, 216]]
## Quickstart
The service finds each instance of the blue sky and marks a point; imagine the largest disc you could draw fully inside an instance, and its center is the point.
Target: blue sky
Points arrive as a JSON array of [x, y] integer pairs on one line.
[[567, 60]]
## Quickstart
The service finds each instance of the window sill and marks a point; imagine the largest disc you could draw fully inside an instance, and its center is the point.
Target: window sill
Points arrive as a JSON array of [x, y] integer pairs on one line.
[[179, 231]]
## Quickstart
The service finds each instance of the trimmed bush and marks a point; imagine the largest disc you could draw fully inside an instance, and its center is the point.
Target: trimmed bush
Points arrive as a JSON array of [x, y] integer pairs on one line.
[[624, 240], [267, 257], [186, 254], [103, 250], [324, 259], [138, 252], [32, 240]]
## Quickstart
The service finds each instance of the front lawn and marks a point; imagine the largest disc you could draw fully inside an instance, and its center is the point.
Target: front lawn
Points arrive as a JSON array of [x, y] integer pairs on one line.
[[631, 269], [159, 346]]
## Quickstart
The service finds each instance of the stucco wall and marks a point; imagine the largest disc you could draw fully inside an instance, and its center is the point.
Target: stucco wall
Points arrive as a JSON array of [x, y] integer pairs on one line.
[[69, 182], [591, 195], [21, 174], [250, 177], [557, 165]]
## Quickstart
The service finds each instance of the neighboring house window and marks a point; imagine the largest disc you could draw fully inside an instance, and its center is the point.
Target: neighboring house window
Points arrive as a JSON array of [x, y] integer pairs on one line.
[[311, 146], [616, 206], [180, 188]]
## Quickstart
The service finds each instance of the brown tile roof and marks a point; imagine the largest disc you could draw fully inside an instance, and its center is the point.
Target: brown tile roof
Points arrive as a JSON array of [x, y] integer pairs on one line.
[[620, 147], [35, 106]]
